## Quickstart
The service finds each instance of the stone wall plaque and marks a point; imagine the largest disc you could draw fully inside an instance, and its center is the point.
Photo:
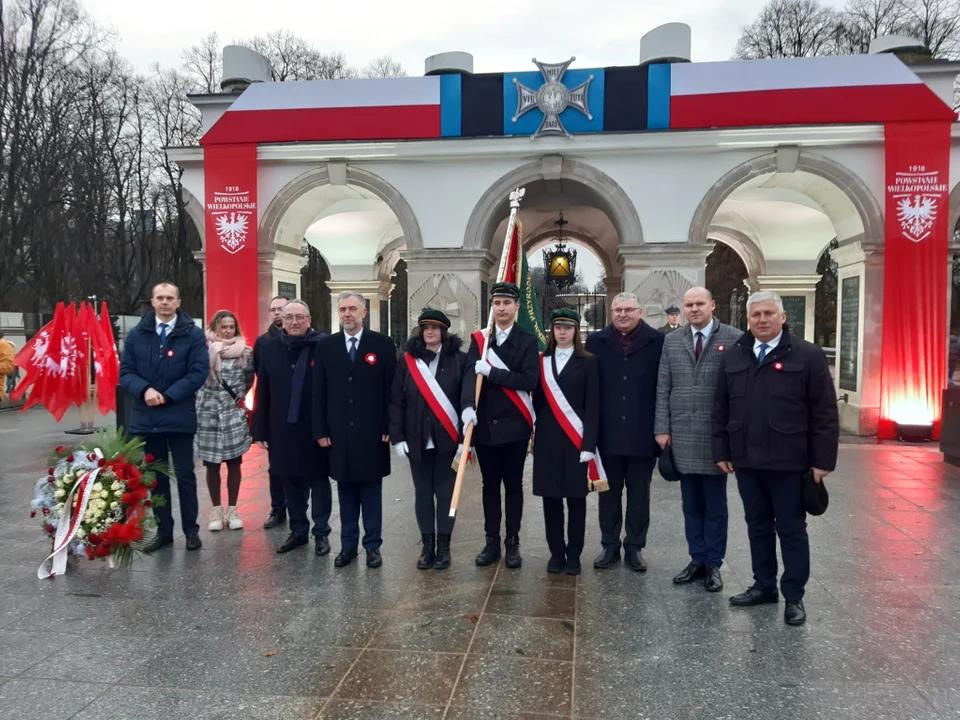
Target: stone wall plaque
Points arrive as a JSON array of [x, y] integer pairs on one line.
[[796, 308], [287, 290], [849, 333]]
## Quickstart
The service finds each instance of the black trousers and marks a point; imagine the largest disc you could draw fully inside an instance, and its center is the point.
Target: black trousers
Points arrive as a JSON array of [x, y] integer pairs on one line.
[[502, 464], [433, 477], [278, 499], [576, 526], [179, 446], [705, 517], [773, 505], [635, 474], [354, 498], [301, 490]]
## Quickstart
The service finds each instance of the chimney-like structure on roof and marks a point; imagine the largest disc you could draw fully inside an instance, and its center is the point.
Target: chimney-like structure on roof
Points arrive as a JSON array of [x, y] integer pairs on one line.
[[449, 63], [668, 43], [908, 49], [243, 66]]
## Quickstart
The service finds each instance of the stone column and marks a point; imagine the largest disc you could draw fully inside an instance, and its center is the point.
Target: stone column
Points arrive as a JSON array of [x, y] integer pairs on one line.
[[859, 336], [799, 293], [660, 275], [452, 280], [275, 267], [372, 290]]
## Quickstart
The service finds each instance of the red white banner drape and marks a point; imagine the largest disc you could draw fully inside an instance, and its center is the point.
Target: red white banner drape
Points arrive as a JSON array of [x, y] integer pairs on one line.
[[230, 186], [913, 365]]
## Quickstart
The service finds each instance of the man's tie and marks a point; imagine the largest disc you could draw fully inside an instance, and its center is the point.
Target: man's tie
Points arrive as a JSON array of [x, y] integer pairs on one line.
[[699, 348], [763, 352], [353, 349], [163, 332]]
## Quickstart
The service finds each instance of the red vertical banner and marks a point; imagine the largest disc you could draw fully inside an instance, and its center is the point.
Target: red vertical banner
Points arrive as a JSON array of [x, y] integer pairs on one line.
[[913, 364], [230, 186]]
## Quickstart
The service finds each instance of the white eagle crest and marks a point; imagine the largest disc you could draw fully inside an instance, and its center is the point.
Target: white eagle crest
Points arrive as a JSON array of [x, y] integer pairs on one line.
[[916, 216], [232, 229]]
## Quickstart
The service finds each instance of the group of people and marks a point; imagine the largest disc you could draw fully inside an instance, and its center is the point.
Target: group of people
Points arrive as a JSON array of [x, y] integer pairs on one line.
[[598, 414]]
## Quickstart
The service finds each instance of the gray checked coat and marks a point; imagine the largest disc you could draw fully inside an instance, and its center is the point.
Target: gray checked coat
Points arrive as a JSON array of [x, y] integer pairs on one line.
[[685, 390], [222, 432]]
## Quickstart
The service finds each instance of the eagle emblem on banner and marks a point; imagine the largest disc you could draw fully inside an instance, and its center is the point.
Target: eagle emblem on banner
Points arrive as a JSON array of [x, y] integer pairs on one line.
[[916, 215]]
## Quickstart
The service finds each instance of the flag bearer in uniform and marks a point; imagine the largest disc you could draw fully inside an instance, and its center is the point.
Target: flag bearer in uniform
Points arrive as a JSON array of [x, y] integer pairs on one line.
[[504, 418], [567, 403], [425, 428]]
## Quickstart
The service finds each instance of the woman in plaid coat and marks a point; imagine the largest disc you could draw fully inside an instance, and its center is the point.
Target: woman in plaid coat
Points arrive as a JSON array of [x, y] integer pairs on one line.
[[222, 431]]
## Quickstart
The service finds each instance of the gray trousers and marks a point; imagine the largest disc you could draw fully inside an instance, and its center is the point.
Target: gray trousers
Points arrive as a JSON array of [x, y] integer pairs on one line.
[[433, 480]]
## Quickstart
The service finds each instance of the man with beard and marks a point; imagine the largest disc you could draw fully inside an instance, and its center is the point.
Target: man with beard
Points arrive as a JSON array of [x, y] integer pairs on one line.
[[278, 503]]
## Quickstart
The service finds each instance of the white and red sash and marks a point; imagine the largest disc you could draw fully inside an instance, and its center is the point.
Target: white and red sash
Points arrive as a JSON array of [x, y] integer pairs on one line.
[[437, 399], [567, 417], [520, 398]]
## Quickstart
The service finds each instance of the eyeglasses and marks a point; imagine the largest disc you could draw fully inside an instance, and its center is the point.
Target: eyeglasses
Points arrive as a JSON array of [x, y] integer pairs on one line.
[[298, 318], [624, 311], [276, 309]]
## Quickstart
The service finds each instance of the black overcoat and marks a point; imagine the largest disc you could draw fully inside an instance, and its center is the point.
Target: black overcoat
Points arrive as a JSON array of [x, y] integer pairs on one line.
[[292, 449], [778, 415], [351, 403], [411, 419], [557, 470], [499, 421], [628, 391]]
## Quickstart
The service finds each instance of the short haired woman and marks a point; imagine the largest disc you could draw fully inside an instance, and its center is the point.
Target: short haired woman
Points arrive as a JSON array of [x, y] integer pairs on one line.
[[223, 435]]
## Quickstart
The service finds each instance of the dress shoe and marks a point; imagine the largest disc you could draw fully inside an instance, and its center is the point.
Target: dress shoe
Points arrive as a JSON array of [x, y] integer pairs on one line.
[[374, 559], [713, 582], [512, 557], [345, 558], [292, 542], [193, 542], [794, 614], [428, 556], [608, 558], [634, 558], [490, 553], [323, 546], [275, 520], [442, 561], [572, 566], [158, 543], [691, 572], [556, 564], [755, 596]]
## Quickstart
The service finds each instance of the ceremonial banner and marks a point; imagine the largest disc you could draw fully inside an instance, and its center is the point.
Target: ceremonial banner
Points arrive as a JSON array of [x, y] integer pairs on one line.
[[913, 363], [230, 182], [518, 273]]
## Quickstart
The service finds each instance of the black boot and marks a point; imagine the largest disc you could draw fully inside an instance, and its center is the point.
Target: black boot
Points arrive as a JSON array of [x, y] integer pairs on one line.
[[513, 559], [427, 556], [490, 552], [443, 552]]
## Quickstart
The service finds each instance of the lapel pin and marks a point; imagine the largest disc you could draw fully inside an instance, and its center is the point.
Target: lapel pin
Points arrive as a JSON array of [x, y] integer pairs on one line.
[[721, 348], [169, 353], [370, 358], [778, 366]]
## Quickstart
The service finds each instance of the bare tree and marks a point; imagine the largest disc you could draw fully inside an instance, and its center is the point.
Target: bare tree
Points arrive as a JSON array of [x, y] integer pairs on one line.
[[384, 66], [203, 62], [790, 29], [936, 24], [864, 20], [293, 58]]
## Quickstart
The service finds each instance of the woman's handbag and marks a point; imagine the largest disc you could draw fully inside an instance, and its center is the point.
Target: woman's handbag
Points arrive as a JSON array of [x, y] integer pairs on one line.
[[239, 401]]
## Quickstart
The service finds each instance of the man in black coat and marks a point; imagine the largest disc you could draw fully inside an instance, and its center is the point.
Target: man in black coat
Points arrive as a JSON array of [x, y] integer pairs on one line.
[[351, 402], [278, 503], [164, 363], [774, 421], [503, 429], [282, 424], [628, 351]]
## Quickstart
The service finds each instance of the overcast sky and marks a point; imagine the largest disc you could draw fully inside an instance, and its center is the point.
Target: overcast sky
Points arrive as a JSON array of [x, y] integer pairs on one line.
[[502, 37]]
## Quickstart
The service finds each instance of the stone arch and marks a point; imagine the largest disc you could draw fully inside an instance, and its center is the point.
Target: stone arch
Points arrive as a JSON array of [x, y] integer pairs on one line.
[[293, 190], [744, 246], [603, 190], [862, 199], [196, 210]]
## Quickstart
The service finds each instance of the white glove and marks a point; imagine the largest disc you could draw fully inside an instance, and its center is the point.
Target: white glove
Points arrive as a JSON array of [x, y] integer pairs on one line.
[[469, 415], [459, 452], [586, 457], [483, 368], [401, 449]]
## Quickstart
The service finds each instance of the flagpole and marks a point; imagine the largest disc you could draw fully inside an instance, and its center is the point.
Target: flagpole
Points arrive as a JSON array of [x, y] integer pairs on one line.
[[515, 197]]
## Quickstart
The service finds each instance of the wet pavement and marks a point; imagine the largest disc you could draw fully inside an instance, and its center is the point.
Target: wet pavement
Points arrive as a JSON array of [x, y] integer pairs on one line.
[[236, 631]]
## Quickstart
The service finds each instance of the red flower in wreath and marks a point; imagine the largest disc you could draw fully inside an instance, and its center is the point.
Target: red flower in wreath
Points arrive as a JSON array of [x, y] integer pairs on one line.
[[148, 458], [371, 358]]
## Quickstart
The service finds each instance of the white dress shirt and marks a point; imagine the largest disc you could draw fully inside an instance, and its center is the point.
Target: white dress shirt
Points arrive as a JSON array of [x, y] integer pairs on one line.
[[348, 337], [502, 335], [169, 323], [561, 356], [706, 332], [771, 345]]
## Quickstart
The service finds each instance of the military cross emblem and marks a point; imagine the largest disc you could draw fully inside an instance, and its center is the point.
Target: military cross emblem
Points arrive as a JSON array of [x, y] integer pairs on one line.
[[552, 98]]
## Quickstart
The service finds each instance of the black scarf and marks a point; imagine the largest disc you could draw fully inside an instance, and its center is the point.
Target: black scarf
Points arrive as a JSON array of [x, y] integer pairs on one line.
[[306, 345]]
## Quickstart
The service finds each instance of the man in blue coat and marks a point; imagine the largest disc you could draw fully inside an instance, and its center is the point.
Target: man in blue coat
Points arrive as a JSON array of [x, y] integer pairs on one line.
[[282, 423], [165, 362], [628, 352]]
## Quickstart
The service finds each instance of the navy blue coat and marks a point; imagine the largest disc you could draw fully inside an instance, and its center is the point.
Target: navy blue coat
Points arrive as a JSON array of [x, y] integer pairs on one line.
[[628, 391], [292, 449], [177, 369]]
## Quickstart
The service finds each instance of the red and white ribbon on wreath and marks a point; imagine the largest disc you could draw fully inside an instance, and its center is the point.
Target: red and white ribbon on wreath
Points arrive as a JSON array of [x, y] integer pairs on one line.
[[520, 398], [69, 523], [567, 417]]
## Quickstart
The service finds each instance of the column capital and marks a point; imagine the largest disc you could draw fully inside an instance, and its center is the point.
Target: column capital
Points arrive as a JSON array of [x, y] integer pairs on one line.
[[788, 284], [663, 255], [847, 254], [434, 260], [366, 287]]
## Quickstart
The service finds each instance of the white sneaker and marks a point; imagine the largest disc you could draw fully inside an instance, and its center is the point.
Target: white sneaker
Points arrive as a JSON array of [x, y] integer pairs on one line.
[[233, 519], [216, 519]]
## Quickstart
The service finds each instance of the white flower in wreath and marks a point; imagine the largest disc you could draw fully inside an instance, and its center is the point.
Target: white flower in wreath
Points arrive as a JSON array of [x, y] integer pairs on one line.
[[97, 487], [114, 505], [105, 495], [60, 492], [115, 486], [81, 533]]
